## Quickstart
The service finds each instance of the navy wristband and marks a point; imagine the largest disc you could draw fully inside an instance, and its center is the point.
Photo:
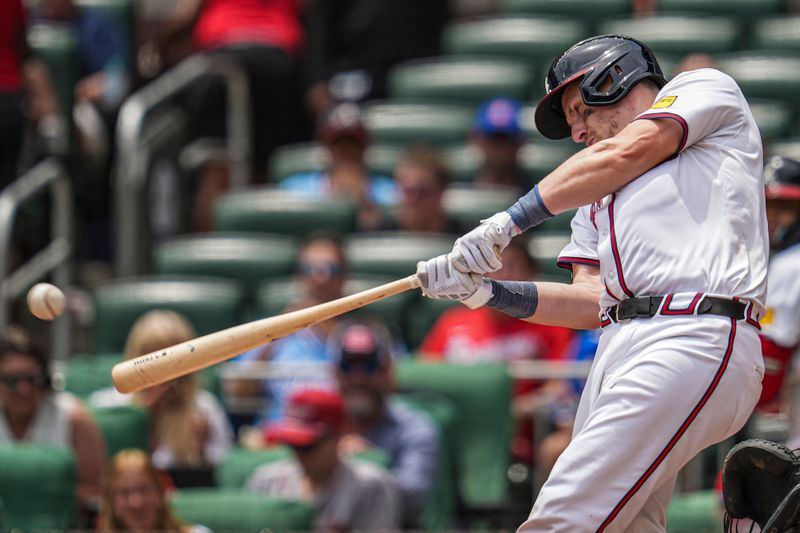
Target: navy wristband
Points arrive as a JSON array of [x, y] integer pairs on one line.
[[516, 298], [529, 211]]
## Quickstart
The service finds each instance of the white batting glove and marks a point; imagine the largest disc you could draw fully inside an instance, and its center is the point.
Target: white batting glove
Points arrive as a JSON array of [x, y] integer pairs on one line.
[[440, 281], [479, 250]]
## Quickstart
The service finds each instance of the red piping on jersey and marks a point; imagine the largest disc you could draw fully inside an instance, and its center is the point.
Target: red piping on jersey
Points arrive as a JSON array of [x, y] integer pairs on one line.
[[678, 434], [665, 310], [614, 249], [611, 293], [604, 322], [677, 118], [567, 261], [750, 320]]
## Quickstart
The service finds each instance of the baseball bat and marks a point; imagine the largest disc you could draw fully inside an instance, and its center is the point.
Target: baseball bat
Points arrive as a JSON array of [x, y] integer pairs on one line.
[[163, 365]]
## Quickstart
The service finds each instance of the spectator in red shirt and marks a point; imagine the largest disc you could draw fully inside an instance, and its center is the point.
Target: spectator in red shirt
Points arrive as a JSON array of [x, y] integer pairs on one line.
[[462, 335]]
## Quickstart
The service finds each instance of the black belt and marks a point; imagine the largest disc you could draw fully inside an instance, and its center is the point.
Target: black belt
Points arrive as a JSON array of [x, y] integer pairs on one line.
[[648, 306]]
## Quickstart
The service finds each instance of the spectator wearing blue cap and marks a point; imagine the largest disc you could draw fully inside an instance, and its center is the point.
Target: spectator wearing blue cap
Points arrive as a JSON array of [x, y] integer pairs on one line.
[[498, 135]]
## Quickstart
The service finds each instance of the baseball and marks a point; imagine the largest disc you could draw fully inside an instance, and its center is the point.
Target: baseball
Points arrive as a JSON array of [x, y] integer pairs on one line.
[[46, 301]]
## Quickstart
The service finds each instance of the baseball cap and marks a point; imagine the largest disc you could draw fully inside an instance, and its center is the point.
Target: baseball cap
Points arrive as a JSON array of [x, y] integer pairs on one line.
[[310, 414], [499, 116], [360, 343], [343, 121]]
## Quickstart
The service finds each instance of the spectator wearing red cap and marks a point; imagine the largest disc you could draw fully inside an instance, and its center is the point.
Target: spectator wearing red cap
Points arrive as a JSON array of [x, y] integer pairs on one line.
[[346, 140], [363, 355], [498, 136], [348, 495]]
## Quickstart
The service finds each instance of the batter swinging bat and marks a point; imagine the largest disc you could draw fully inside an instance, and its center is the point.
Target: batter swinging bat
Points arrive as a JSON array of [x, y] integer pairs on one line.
[[163, 365]]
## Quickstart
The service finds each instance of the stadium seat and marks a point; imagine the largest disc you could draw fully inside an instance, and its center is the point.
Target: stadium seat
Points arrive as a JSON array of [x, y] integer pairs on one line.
[[37, 487], [240, 511], [86, 374], [469, 205], [590, 10], [545, 247], [535, 40], [695, 512], [785, 147], [560, 222], [463, 79], [272, 297], [296, 159], [57, 46], [481, 394], [268, 210], [774, 118], [777, 33], [125, 426], [765, 74], [404, 123], [421, 316], [210, 304], [677, 34], [538, 159], [742, 9], [244, 257], [393, 254]]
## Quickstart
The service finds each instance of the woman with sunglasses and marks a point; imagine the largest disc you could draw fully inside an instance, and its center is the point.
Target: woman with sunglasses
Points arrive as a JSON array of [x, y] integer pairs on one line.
[[31, 411]]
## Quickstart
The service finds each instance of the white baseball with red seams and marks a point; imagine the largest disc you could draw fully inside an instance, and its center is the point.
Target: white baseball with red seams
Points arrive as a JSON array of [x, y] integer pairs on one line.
[[46, 301], [662, 389]]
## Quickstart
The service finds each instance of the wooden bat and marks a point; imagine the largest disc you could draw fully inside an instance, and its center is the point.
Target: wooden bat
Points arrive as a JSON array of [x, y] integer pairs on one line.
[[157, 367]]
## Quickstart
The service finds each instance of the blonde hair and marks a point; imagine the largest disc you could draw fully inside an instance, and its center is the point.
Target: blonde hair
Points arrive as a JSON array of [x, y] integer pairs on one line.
[[172, 424], [137, 461]]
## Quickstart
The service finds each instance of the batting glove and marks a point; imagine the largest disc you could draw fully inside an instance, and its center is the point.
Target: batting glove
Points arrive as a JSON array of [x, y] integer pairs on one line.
[[479, 250], [440, 281]]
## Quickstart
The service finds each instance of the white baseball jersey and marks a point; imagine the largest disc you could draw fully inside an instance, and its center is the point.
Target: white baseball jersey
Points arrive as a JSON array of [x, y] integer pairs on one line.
[[782, 321], [662, 389], [687, 225]]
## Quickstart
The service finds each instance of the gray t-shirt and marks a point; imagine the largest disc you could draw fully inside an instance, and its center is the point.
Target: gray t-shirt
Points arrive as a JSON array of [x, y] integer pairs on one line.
[[361, 496]]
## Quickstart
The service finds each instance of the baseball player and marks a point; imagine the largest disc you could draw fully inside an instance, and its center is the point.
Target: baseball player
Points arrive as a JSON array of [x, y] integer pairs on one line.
[[668, 255], [781, 333]]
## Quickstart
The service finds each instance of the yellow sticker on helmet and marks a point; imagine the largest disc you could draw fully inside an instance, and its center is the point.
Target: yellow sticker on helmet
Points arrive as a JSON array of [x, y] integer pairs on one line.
[[664, 102]]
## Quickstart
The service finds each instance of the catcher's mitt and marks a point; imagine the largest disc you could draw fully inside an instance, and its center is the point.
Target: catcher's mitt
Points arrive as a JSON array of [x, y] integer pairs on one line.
[[761, 481]]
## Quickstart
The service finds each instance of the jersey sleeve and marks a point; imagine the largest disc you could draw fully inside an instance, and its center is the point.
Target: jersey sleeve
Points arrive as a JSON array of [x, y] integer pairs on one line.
[[704, 102], [582, 247]]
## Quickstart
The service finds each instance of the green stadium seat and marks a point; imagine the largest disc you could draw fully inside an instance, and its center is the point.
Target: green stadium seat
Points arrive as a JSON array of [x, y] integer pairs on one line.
[[695, 512], [86, 374], [268, 210], [545, 247], [765, 74], [273, 296], [470, 205], [244, 257], [57, 46], [404, 123], [774, 118], [421, 316], [393, 254], [777, 33], [784, 147], [742, 9], [297, 159], [535, 40], [561, 222], [541, 158], [677, 34], [37, 487], [241, 511], [123, 427], [463, 79], [590, 10], [382, 159], [481, 394], [210, 304]]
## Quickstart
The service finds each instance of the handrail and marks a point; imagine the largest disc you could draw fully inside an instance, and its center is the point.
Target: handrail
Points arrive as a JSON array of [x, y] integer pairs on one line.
[[133, 154], [55, 257]]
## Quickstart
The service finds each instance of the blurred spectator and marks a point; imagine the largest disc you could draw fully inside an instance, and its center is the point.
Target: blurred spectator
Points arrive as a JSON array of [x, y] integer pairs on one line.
[[365, 376], [13, 49], [134, 498], [498, 136], [348, 495], [189, 427], [321, 271], [354, 43], [343, 134], [266, 38], [467, 336], [694, 62], [31, 411], [422, 177]]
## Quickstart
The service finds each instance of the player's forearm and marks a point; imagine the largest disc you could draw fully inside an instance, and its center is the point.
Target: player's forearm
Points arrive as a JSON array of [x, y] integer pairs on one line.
[[571, 306]]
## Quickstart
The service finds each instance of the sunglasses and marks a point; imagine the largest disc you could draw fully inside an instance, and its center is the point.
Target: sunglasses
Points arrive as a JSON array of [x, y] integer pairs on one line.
[[369, 366], [13, 381], [320, 269]]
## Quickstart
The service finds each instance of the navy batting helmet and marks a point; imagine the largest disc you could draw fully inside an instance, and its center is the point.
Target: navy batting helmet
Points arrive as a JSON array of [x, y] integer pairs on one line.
[[782, 182], [623, 61]]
